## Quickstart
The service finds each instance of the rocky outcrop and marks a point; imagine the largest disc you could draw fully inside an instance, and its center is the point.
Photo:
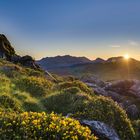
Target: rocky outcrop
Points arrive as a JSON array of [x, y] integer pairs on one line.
[[29, 62], [93, 81], [125, 92], [7, 52], [6, 49], [101, 130]]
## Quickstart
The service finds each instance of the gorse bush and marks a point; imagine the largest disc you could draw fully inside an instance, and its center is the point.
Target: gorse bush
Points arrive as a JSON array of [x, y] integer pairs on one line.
[[41, 126], [106, 110], [64, 102], [83, 106], [83, 87], [36, 86]]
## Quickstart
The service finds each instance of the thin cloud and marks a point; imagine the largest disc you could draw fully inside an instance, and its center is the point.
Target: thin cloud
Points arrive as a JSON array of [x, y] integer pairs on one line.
[[133, 43], [115, 46]]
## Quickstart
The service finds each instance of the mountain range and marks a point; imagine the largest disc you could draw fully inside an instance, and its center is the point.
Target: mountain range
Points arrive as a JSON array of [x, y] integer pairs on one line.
[[114, 68]]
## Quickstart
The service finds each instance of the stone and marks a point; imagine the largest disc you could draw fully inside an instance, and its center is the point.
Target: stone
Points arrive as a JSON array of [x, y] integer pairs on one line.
[[101, 130], [133, 111]]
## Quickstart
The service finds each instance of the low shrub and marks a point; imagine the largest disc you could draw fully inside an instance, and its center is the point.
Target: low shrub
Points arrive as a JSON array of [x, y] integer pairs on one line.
[[64, 102], [32, 106], [41, 126], [9, 103], [36, 86], [83, 87], [5, 84], [106, 110], [73, 90], [83, 106]]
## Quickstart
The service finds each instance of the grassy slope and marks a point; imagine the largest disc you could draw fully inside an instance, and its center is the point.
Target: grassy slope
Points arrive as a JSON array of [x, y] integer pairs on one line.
[[23, 89]]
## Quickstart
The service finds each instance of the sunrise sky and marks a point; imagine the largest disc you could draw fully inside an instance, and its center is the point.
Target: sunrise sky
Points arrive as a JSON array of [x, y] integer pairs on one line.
[[91, 28]]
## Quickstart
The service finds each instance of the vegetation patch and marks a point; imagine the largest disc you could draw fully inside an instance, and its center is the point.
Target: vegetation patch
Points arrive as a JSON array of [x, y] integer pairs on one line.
[[83, 106], [36, 86], [33, 126], [83, 87]]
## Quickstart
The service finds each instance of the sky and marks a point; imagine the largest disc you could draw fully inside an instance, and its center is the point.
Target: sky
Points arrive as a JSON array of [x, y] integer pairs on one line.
[[91, 28]]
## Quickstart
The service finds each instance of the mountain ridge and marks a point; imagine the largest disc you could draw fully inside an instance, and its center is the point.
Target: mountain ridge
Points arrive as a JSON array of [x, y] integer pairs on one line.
[[113, 68]]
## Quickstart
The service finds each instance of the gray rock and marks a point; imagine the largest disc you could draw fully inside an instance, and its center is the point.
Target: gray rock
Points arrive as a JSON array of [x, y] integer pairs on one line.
[[133, 111], [126, 103], [94, 80], [100, 91], [135, 89], [121, 86], [101, 130], [115, 96]]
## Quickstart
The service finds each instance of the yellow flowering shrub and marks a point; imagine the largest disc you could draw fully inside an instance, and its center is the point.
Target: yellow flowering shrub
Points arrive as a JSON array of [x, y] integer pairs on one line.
[[41, 126], [84, 106]]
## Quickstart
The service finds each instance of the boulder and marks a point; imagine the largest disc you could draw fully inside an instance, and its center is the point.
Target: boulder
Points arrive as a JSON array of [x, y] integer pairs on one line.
[[121, 86], [93, 80], [100, 91], [135, 89], [29, 62], [101, 130], [133, 111], [115, 96], [15, 58]]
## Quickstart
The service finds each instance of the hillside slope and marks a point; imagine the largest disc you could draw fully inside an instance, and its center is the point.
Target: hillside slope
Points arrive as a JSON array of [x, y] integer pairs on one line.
[[24, 89]]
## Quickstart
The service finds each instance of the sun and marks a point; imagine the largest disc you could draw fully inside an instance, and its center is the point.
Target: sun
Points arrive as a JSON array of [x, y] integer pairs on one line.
[[126, 56]]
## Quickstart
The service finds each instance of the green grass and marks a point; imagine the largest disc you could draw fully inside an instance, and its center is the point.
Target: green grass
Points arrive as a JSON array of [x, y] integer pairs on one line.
[[23, 89]]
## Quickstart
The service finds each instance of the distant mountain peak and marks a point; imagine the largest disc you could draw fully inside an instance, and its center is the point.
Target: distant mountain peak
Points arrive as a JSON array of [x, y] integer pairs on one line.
[[62, 61], [115, 59], [98, 60]]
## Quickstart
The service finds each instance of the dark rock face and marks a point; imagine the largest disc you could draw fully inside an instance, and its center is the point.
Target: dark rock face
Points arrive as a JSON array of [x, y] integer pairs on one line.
[[7, 52], [6, 49], [101, 130], [28, 61]]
